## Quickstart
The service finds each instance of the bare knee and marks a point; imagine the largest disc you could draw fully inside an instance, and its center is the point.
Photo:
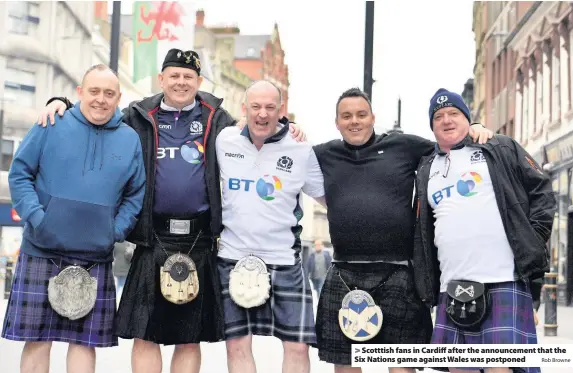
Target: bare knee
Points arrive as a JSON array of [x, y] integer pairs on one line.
[[295, 349], [346, 369], [188, 348], [38, 346], [238, 348], [141, 346]]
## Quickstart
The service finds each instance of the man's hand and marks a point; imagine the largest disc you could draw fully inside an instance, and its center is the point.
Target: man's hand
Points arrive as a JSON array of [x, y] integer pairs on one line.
[[241, 123], [50, 111], [295, 132], [480, 134]]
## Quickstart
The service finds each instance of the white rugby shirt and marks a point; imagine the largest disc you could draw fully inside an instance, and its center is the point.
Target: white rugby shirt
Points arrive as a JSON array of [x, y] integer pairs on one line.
[[262, 202]]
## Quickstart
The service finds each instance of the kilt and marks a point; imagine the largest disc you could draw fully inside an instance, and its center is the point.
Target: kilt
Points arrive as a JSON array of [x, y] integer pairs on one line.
[[405, 318], [30, 318], [510, 320], [145, 314], [288, 313]]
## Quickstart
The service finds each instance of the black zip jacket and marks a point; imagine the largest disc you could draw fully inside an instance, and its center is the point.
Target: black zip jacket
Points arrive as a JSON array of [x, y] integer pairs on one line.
[[526, 203], [142, 117]]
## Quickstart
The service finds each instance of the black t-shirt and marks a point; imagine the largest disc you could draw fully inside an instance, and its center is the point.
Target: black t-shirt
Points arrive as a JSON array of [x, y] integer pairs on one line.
[[369, 193]]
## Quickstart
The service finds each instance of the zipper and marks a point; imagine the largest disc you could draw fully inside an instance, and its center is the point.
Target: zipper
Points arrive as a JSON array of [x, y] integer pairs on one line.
[[422, 219], [149, 117], [502, 211]]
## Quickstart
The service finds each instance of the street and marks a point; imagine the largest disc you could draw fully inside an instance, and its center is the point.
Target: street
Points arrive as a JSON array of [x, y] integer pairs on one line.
[[267, 351]]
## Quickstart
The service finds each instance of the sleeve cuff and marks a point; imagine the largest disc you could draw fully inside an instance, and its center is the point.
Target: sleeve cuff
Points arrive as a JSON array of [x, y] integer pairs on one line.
[[36, 218]]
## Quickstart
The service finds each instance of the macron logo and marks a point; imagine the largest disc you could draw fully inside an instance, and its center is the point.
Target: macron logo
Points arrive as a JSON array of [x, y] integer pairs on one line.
[[234, 155]]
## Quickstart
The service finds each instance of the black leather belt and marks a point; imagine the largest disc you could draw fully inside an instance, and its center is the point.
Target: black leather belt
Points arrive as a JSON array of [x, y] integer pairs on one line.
[[181, 225]]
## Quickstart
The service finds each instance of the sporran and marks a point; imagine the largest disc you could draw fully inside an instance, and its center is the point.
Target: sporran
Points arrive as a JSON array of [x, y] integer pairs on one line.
[[72, 293], [360, 318], [468, 303], [250, 282], [178, 278]]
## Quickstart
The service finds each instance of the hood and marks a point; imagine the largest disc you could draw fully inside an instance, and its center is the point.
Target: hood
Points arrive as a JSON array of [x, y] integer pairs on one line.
[[113, 123]]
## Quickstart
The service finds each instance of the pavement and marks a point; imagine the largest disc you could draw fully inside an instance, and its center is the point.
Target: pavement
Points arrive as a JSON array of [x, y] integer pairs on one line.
[[267, 351]]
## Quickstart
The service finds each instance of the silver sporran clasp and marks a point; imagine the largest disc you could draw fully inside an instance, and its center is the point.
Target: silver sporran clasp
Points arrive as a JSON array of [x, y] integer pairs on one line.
[[178, 280], [360, 319], [250, 282], [72, 293]]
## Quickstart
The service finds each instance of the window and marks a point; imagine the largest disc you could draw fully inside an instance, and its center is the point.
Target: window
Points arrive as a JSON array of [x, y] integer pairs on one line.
[[7, 154], [251, 52], [556, 98], [20, 87], [21, 15]]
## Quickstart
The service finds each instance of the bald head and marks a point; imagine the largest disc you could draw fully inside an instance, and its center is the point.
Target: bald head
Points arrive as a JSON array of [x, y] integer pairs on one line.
[[103, 70], [265, 87]]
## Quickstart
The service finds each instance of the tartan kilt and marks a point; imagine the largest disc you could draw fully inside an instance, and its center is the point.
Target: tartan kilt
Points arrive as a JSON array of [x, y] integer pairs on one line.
[[406, 320], [30, 318], [145, 314], [509, 321], [288, 314]]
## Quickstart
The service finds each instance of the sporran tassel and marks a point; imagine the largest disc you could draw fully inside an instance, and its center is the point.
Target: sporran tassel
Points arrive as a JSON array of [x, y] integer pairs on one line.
[[450, 309], [463, 312], [472, 307]]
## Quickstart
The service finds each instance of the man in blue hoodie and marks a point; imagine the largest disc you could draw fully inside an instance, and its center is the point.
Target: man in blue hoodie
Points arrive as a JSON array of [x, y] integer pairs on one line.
[[79, 187]]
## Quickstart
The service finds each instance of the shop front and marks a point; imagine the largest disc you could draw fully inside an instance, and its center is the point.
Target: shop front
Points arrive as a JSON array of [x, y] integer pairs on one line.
[[558, 162]]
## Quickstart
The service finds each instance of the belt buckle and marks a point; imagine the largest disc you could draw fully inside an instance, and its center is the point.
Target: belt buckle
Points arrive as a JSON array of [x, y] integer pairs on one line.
[[179, 226]]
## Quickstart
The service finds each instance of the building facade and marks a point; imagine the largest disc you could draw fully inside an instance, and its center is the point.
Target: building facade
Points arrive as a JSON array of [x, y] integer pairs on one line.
[[44, 50], [541, 64], [218, 42]]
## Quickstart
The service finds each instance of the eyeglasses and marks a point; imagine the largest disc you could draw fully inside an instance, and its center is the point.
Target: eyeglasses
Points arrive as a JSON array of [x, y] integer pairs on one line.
[[447, 163]]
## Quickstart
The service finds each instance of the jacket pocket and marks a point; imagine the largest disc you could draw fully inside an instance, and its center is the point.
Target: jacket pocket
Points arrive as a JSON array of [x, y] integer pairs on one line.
[[75, 226]]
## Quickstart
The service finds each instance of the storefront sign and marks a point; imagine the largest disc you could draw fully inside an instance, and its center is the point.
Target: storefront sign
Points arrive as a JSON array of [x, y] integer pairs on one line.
[[560, 150], [9, 216]]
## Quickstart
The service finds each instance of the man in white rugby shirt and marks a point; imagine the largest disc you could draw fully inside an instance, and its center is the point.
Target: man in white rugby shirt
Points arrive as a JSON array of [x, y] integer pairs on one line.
[[263, 175], [485, 215]]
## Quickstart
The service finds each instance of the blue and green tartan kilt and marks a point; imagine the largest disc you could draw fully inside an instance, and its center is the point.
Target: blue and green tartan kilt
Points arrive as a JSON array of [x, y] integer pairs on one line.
[[288, 314], [509, 321], [30, 318]]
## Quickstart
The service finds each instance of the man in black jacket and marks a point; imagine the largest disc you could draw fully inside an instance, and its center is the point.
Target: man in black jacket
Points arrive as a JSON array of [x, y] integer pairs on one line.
[[485, 214], [369, 184], [172, 294]]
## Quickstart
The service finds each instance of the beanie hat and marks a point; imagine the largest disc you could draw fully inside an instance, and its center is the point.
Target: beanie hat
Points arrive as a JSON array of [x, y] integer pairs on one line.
[[444, 98]]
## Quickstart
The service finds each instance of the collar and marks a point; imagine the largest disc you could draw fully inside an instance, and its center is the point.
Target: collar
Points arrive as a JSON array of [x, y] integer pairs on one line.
[[465, 141], [365, 145], [166, 107], [283, 123]]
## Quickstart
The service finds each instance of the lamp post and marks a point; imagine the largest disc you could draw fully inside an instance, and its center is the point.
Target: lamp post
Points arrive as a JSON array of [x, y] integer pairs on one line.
[[369, 48]]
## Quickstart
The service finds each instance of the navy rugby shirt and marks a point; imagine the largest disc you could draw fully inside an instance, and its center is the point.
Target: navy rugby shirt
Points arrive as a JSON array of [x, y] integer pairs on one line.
[[180, 188]]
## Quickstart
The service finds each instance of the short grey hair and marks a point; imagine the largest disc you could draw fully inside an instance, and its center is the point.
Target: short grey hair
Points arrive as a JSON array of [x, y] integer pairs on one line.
[[263, 81]]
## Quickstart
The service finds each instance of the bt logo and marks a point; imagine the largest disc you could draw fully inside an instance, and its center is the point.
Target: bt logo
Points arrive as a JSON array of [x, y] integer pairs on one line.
[[189, 153], [265, 186], [464, 186]]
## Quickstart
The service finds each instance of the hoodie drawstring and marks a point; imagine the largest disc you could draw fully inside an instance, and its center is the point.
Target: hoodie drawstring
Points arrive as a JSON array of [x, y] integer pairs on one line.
[[87, 151], [102, 149]]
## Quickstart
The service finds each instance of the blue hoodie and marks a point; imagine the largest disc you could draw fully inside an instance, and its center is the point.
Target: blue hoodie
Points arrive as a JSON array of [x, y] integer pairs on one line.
[[79, 187]]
